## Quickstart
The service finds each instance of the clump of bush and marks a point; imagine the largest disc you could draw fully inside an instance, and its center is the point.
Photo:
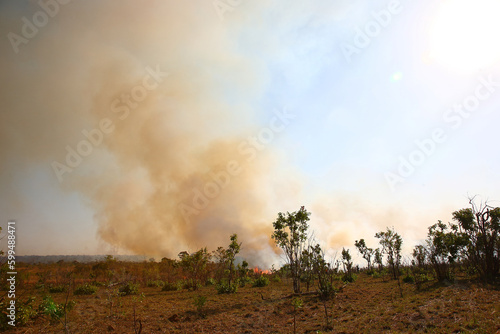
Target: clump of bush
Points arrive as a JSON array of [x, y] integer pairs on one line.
[[54, 310], [349, 278], [168, 286], [260, 282], [423, 277], [276, 279], [380, 273], [99, 284], [409, 279], [210, 281], [191, 285], [327, 291], [25, 312], [224, 287], [38, 286], [129, 289], [57, 288], [199, 303], [155, 284], [244, 281], [85, 289]]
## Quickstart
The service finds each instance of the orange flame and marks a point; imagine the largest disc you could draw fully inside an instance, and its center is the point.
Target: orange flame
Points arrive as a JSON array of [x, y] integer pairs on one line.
[[256, 270]]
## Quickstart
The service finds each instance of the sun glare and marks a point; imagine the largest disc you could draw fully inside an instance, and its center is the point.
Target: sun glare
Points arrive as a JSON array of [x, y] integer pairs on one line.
[[464, 35]]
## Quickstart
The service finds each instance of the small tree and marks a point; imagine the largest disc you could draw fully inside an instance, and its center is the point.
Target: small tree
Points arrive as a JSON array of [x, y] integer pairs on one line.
[[219, 257], [366, 252], [481, 227], [347, 263], [378, 259], [419, 256], [195, 265], [242, 269], [290, 234], [225, 263], [444, 247], [307, 270], [232, 250], [323, 272], [419, 265], [297, 303], [391, 245], [168, 268], [199, 302]]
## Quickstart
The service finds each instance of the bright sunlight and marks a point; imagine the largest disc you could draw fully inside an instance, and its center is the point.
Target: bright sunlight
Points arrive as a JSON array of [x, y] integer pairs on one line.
[[464, 35]]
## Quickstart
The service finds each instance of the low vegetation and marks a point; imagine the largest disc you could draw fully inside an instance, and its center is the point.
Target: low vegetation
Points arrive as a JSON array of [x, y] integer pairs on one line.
[[85, 289], [450, 285]]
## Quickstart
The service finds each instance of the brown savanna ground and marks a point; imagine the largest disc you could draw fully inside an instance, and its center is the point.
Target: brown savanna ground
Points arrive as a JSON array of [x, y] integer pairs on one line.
[[369, 305]]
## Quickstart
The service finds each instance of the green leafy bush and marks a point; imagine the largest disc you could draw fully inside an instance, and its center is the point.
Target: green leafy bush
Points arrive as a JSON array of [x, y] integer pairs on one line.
[[85, 289], [349, 278], [409, 279], [25, 312], [225, 287], [261, 281], [98, 284], [199, 303], [191, 285], [210, 281], [423, 277], [57, 288], [168, 286], [39, 286], [327, 291], [244, 281], [155, 284], [54, 310], [129, 289]]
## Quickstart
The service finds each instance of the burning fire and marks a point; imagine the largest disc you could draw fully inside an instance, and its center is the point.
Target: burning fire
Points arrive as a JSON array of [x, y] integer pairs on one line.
[[256, 270]]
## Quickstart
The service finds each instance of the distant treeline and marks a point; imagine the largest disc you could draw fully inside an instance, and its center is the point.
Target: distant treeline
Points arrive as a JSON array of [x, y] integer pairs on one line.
[[78, 258]]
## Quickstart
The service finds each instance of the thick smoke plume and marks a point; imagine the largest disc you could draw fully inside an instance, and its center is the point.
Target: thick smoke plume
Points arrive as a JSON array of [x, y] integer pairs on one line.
[[151, 113], [146, 112]]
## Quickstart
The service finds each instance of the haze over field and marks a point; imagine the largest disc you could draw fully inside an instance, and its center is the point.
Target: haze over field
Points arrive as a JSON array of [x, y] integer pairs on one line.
[[137, 129]]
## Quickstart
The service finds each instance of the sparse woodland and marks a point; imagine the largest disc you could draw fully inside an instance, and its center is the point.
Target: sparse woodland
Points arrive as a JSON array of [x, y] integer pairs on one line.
[[449, 284]]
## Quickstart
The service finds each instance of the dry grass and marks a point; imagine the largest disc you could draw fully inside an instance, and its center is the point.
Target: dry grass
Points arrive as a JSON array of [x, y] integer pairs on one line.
[[369, 305]]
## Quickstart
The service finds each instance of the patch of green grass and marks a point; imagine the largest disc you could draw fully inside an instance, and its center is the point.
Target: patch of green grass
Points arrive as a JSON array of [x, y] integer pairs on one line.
[[224, 287], [85, 289], [155, 284], [409, 279], [57, 288], [129, 289], [169, 286], [260, 282]]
